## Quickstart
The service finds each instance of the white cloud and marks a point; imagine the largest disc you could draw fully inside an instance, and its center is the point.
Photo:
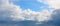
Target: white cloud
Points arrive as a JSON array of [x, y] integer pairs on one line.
[[53, 3], [55, 16], [14, 12], [9, 11], [38, 16]]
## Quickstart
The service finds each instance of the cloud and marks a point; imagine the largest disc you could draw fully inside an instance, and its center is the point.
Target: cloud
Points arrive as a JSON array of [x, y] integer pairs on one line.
[[55, 16], [10, 11], [39, 16], [53, 3]]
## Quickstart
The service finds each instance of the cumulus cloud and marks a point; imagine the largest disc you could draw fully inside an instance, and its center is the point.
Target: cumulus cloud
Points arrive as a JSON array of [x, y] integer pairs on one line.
[[55, 16], [54, 4], [10, 11], [39, 16]]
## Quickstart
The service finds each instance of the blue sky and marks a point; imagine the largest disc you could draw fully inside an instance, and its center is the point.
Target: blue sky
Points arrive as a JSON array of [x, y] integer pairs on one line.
[[16, 13], [34, 5]]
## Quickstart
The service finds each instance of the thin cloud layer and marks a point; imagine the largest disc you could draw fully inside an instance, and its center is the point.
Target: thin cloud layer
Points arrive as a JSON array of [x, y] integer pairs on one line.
[[52, 3]]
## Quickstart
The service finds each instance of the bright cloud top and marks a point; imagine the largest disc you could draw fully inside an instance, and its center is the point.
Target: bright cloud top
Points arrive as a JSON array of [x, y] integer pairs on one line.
[[53, 3], [13, 12]]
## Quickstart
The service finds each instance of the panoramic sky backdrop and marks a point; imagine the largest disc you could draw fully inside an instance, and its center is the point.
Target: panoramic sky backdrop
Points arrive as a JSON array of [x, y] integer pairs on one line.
[[34, 10]]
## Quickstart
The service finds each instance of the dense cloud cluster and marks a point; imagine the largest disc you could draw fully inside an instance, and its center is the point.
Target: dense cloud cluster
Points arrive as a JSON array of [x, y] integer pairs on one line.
[[55, 16], [12, 12]]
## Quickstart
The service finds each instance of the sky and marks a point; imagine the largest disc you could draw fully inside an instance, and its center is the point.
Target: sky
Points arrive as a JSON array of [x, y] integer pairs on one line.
[[44, 12], [34, 5]]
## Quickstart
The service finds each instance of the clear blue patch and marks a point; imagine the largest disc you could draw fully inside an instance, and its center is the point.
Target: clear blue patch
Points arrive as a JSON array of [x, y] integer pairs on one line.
[[31, 4]]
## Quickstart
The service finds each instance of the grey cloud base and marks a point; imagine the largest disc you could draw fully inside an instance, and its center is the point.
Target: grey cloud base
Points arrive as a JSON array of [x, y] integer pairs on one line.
[[54, 22]]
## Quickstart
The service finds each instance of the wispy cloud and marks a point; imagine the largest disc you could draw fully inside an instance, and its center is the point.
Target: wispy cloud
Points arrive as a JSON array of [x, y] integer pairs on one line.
[[53, 3]]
